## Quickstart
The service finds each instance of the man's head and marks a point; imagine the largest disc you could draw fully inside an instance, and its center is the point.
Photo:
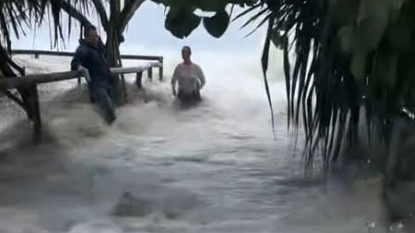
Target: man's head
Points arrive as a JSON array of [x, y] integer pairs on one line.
[[186, 52], [91, 34]]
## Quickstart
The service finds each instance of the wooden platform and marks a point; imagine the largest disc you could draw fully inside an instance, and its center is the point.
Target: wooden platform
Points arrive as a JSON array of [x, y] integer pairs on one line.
[[30, 82]]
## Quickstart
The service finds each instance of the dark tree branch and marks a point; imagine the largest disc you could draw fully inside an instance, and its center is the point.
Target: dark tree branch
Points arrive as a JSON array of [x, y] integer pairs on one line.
[[128, 12], [4, 66], [99, 6], [14, 98], [74, 13], [115, 9], [15, 66], [4, 55]]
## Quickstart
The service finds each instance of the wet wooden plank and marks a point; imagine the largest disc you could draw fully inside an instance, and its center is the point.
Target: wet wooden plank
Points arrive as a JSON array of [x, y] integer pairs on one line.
[[37, 53], [13, 82], [150, 73], [161, 69], [31, 81], [138, 78], [135, 69], [35, 113]]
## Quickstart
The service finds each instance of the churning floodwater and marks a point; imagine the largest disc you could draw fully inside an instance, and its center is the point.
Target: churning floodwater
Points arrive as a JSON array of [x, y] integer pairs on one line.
[[215, 167]]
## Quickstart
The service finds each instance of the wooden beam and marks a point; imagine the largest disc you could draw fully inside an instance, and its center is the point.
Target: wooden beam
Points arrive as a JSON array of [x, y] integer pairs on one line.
[[31, 81], [138, 78], [124, 70], [150, 73], [141, 57], [161, 69], [124, 88], [14, 82], [37, 53], [35, 111], [41, 52]]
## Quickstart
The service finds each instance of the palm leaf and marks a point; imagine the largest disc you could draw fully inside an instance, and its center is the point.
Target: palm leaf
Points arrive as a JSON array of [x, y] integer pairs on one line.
[[264, 64], [314, 76]]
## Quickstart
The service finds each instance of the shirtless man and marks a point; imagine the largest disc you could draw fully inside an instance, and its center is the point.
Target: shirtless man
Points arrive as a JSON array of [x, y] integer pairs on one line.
[[189, 76]]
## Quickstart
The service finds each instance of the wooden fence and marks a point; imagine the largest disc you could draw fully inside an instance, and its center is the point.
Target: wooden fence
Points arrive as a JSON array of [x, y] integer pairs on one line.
[[31, 81], [37, 53]]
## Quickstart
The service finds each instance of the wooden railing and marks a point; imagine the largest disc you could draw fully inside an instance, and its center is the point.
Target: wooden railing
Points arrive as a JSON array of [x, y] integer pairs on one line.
[[37, 53], [31, 81], [15, 82]]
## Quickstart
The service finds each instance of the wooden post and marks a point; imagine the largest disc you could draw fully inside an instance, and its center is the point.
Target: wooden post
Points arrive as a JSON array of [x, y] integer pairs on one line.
[[124, 89], [36, 55], [138, 78], [35, 111], [161, 69], [29, 83], [150, 73]]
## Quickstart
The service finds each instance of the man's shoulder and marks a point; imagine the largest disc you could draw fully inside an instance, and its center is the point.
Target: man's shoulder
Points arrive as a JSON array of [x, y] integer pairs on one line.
[[180, 65], [82, 48], [197, 66]]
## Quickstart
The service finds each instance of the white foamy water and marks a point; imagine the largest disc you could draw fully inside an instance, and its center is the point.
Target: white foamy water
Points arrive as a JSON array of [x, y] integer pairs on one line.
[[212, 168]]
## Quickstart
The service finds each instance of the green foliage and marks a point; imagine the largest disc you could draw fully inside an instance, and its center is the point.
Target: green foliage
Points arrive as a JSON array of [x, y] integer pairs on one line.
[[211, 5], [338, 52], [16, 14], [217, 24], [181, 20], [364, 48]]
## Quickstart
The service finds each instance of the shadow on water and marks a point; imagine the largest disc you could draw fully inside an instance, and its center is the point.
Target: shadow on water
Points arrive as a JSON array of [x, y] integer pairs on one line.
[[65, 182], [180, 105]]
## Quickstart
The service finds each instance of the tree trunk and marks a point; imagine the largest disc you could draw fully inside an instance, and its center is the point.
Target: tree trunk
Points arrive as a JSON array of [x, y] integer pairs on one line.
[[112, 48], [6, 65], [113, 26]]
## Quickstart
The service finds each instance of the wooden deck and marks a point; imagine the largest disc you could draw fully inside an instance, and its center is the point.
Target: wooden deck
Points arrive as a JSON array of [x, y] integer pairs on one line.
[[31, 81], [38, 53]]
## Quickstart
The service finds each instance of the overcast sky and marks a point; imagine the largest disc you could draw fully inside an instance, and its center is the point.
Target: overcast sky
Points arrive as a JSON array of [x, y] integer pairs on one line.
[[146, 35], [146, 32]]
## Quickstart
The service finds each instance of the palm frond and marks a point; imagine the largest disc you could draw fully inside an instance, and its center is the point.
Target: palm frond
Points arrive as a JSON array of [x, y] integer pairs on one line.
[[15, 15], [264, 64], [320, 88]]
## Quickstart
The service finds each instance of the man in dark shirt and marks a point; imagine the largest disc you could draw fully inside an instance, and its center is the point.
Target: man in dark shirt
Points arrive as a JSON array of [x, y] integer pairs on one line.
[[89, 57]]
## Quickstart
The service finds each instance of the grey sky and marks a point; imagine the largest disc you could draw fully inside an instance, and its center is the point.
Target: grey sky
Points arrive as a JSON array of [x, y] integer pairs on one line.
[[146, 32]]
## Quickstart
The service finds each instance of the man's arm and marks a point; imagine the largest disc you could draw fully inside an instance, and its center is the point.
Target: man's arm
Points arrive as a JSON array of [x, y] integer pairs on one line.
[[77, 63], [201, 77], [174, 80], [77, 60]]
